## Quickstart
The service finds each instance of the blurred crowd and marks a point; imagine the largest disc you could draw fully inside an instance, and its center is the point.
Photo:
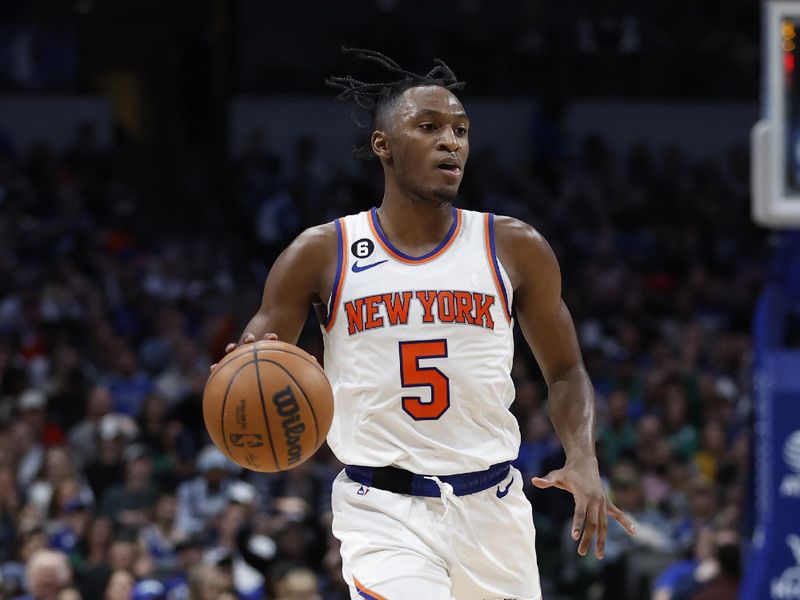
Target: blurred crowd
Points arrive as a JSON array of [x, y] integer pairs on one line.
[[109, 320], [580, 47], [587, 48]]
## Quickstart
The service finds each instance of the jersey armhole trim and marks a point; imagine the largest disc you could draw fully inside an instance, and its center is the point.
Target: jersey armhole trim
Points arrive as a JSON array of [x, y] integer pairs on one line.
[[365, 592], [341, 273], [494, 266]]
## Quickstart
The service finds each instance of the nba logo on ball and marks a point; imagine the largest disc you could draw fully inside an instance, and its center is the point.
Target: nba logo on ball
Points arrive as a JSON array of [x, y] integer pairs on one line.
[[268, 406]]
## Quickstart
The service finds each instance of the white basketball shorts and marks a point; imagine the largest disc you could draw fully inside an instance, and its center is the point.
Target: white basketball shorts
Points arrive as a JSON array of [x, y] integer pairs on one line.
[[401, 547]]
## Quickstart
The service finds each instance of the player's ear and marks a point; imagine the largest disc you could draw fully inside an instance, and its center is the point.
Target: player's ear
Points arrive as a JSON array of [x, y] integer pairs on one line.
[[380, 145]]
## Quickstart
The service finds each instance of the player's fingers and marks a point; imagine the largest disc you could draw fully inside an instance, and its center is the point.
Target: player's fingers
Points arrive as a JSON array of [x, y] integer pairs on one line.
[[552, 479], [248, 338], [579, 518], [589, 528], [602, 528], [212, 367], [621, 518], [230, 347], [548, 481], [542, 482], [270, 336]]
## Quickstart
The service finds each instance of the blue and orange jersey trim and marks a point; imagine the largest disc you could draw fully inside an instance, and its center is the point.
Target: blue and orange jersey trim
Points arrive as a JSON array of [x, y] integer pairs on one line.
[[365, 592], [494, 266], [396, 254], [341, 273]]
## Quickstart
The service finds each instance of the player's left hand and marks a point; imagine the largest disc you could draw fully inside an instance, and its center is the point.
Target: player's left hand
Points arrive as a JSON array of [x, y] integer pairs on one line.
[[581, 478]]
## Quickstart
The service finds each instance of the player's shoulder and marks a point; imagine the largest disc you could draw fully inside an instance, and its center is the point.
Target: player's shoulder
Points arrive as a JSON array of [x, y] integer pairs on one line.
[[514, 233], [312, 251], [317, 238], [522, 249]]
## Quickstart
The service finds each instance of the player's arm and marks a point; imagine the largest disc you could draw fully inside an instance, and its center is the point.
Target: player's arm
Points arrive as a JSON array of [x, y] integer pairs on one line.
[[301, 276], [548, 328]]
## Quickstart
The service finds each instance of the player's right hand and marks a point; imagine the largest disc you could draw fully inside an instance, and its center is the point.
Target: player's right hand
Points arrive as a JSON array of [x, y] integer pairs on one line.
[[248, 338]]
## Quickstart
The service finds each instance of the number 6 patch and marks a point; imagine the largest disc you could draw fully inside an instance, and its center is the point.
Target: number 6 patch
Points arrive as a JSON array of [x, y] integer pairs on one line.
[[362, 248]]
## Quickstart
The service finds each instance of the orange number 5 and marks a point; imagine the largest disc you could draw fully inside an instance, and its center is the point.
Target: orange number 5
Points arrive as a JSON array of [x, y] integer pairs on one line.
[[412, 375]]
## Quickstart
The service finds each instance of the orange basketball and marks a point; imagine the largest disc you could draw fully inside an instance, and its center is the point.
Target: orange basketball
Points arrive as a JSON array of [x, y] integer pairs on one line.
[[268, 406]]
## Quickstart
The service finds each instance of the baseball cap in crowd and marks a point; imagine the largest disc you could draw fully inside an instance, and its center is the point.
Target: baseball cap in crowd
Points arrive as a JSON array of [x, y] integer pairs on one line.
[[241, 493], [148, 589], [31, 399], [117, 425], [211, 458]]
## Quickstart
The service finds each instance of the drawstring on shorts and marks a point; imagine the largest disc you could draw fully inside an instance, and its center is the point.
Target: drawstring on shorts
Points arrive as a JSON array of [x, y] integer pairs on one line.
[[448, 496]]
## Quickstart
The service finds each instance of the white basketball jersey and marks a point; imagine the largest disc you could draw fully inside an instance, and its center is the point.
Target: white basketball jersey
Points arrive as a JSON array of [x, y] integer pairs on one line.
[[418, 350]]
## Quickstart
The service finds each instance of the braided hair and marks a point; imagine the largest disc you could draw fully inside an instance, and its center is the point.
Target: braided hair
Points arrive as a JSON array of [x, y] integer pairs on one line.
[[376, 98]]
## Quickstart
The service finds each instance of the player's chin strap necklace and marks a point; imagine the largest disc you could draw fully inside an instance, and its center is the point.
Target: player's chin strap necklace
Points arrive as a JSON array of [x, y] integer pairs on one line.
[[447, 495]]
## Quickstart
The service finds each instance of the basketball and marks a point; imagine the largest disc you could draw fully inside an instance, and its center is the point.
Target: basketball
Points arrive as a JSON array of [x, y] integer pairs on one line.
[[268, 406]]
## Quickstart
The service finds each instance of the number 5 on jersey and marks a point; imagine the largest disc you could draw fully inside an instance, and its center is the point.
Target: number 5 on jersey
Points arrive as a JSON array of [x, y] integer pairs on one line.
[[412, 375]]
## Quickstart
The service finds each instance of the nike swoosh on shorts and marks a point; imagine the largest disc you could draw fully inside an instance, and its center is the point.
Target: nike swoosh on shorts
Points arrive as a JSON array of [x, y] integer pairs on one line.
[[503, 493]]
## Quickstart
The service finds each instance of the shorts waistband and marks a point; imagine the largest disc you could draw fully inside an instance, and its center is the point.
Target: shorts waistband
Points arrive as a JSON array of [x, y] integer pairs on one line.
[[401, 481]]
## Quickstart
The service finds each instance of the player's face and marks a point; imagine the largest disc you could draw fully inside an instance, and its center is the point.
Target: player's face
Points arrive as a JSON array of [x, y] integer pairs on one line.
[[428, 140]]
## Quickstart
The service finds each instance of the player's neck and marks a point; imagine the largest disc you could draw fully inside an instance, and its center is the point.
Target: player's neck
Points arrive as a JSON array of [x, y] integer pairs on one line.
[[414, 226]]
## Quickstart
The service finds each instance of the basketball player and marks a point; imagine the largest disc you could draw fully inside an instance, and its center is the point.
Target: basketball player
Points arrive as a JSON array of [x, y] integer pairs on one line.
[[419, 299]]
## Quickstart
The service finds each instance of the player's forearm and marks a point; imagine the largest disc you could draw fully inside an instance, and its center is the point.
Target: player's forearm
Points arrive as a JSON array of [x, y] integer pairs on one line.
[[257, 326], [286, 324], [571, 407]]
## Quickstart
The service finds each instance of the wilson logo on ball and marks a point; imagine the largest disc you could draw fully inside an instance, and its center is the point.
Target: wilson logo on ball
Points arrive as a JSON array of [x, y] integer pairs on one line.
[[288, 408], [247, 440]]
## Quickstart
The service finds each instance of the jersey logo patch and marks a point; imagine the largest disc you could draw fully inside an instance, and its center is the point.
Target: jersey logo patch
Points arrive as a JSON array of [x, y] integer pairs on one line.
[[504, 493], [358, 268], [362, 248]]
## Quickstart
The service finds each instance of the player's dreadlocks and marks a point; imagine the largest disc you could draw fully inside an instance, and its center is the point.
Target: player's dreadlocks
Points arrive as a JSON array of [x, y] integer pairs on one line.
[[373, 98]]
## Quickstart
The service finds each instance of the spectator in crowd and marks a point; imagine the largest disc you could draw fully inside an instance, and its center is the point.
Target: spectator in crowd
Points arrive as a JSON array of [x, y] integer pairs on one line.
[[232, 544], [176, 382], [107, 467], [677, 578], [681, 435], [629, 561], [97, 541], [724, 585], [208, 582], [71, 526], [82, 436], [57, 471], [120, 585], [712, 449], [129, 385], [188, 555], [298, 584], [32, 407], [206, 496], [130, 503], [69, 593], [47, 572], [159, 537], [617, 435], [9, 507]]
